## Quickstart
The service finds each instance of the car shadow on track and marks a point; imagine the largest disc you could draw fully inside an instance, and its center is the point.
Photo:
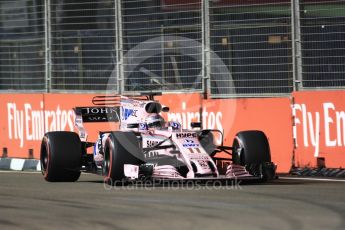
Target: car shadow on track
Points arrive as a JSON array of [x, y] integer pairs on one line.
[[215, 183]]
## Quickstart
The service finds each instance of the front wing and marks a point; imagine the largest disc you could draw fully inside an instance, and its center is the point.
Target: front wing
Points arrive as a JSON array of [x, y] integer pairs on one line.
[[168, 173]]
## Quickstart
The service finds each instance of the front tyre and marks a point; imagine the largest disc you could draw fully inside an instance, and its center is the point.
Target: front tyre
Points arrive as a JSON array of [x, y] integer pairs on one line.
[[120, 148], [60, 156], [251, 149]]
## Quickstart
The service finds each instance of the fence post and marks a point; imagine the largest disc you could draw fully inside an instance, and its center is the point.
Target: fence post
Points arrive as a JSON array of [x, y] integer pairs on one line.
[[119, 46], [47, 44], [206, 68], [296, 45]]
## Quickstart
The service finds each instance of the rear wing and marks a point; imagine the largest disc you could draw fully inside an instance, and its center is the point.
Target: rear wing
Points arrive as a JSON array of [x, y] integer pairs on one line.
[[113, 108], [94, 114], [107, 107], [115, 100], [98, 114]]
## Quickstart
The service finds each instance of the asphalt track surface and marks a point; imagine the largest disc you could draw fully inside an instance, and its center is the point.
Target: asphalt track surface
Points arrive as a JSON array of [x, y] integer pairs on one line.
[[28, 202]]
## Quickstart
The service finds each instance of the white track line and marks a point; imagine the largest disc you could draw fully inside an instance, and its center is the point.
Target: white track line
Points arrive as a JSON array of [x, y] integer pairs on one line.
[[311, 179], [19, 172]]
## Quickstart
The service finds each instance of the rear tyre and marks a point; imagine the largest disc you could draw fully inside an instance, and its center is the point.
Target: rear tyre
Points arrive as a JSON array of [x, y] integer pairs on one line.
[[251, 149], [120, 148], [60, 156]]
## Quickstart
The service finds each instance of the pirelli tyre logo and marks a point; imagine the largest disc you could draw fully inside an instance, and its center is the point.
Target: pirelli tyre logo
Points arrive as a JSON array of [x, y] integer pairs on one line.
[[186, 135]]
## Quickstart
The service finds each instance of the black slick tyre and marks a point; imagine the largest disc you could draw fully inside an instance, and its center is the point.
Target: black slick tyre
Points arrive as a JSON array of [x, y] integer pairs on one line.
[[251, 149], [120, 148], [60, 156]]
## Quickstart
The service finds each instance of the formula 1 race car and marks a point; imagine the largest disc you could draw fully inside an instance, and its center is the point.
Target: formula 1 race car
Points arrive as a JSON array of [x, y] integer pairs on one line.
[[147, 147]]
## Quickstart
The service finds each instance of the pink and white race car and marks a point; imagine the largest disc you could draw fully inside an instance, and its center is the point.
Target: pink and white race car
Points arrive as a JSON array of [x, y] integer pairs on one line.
[[146, 147]]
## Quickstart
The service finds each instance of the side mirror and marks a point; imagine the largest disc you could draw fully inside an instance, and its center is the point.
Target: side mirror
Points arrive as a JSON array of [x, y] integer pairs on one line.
[[165, 109], [133, 126], [195, 124]]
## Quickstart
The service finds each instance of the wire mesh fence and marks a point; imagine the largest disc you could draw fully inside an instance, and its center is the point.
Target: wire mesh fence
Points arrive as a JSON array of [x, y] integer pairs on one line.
[[22, 45], [230, 48], [254, 43], [162, 42], [83, 48], [323, 43]]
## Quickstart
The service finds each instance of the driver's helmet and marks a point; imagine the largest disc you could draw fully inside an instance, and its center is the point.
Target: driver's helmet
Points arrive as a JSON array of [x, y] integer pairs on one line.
[[155, 121]]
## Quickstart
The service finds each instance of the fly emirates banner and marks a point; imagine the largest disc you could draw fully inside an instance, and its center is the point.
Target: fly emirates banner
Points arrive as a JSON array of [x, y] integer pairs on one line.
[[26, 117]]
